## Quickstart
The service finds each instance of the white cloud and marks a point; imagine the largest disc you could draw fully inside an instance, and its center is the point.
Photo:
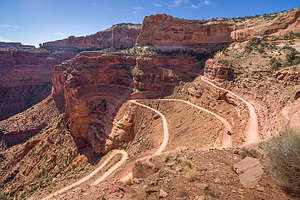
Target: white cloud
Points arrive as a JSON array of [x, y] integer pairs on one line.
[[206, 2], [59, 34], [201, 4], [177, 3], [157, 5], [134, 12], [8, 26]]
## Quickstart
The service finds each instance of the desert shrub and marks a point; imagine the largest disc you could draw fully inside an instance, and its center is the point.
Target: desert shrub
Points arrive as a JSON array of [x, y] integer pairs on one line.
[[275, 64], [291, 57], [284, 157], [225, 62]]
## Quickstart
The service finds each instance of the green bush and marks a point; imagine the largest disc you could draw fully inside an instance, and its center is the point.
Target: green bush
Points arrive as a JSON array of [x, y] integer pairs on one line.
[[284, 157], [291, 57], [275, 64]]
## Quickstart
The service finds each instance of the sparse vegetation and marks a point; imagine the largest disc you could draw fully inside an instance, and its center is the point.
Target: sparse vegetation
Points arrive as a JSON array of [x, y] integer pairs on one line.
[[260, 45], [275, 64], [225, 62], [189, 170], [284, 155], [288, 36]]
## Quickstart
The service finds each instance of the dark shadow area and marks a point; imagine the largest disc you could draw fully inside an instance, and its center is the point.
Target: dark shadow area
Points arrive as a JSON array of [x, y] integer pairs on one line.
[[18, 137], [17, 99]]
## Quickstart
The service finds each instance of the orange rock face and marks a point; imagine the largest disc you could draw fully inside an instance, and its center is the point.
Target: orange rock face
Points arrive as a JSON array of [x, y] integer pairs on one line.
[[118, 36], [217, 71], [168, 33], [284, 23], [93, 87]]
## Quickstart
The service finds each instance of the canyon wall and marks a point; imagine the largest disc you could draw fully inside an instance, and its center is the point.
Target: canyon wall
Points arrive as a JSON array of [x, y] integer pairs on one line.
[[283, 23], [119, 36], [93, 87], [25, 77], [168, 33]]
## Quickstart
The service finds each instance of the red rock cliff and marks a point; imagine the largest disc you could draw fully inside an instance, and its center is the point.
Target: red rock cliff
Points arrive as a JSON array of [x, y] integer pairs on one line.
[[118, 36], [168, 33], [282, 23]]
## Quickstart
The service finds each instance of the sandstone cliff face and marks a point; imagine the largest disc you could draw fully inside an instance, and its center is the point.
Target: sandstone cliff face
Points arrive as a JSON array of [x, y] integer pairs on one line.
[[93, 87], [118, 36], [258, 27], [25, 78], [168, 33], [215, 70]]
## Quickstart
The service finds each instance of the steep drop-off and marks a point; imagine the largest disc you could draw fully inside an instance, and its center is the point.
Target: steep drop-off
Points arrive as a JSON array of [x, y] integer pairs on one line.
[[25, 77]]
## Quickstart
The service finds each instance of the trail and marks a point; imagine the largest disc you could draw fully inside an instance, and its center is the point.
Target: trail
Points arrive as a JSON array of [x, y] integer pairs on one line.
[[251, 131], [226, 142], [86, 178], [163, 144], [226, 139]]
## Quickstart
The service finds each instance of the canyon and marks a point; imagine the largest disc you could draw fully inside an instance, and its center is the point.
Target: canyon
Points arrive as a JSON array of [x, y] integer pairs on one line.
[[66, 105]]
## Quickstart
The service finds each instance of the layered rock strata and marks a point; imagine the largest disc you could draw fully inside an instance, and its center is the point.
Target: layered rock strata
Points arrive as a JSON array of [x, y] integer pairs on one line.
[[25, 78], [263, 26], [119, 36], [168, 33], [92, 88], [218, 71]]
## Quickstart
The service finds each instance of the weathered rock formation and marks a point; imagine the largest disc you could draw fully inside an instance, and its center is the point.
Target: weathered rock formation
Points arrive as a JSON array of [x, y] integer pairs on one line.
[[263, 26], [288, 75], [218, 70], [92, 87], [119, 36], [25, 78], [168, 33], [290, 116], [17, 45]]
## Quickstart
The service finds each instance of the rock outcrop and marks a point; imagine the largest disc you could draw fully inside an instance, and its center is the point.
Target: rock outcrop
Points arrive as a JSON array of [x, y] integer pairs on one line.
[[25, 77], [17, 45], [218, 70], [92, 87], [263, 26], [288, 75], [168, 33], [119, 36]]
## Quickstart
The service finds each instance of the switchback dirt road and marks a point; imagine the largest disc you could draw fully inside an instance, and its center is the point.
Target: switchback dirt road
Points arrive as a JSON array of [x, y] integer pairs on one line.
[[251, 131]]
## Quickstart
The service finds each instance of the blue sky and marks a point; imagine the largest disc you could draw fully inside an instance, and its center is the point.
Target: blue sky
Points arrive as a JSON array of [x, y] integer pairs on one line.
[[37, 21]]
